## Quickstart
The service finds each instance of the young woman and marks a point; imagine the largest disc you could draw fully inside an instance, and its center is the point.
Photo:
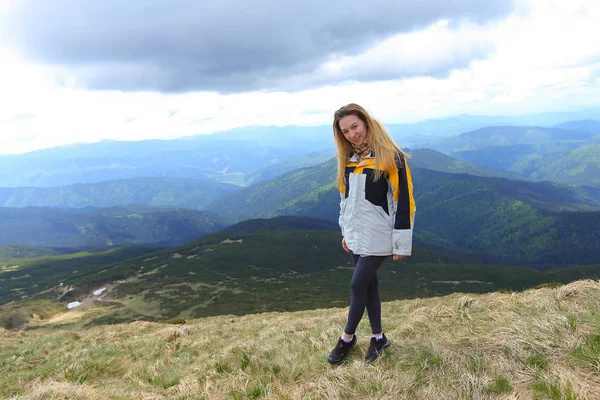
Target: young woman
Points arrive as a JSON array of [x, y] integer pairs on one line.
[[377, 213]]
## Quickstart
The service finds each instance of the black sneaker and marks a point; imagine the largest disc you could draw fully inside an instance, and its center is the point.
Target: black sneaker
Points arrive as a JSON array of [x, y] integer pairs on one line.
[[340, 351], [376, 348]]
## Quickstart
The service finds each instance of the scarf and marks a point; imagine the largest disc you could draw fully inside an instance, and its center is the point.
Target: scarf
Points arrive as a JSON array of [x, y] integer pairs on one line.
[[362, 150]]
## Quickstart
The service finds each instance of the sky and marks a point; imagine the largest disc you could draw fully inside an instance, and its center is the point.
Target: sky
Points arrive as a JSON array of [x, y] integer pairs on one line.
[[86, 70]]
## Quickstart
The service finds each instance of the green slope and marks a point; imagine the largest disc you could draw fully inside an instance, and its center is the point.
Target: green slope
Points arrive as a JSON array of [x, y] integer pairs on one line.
[[249, 272], [508, 220], [264, 198], [24, 278], [15, 252], [579, 167], [286, 246]]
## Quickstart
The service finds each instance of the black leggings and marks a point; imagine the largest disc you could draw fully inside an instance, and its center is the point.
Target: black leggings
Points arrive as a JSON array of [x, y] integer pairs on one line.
[[365, 293]]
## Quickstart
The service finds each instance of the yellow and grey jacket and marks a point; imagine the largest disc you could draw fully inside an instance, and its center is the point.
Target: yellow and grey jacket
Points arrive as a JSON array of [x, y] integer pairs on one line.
[[377, 217]]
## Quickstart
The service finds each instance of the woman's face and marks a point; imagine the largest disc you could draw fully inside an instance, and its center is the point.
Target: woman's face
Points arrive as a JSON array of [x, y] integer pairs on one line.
[[353, 128]]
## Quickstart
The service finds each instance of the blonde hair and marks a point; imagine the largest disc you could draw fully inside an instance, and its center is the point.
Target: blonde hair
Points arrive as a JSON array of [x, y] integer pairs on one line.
[[385, 149]]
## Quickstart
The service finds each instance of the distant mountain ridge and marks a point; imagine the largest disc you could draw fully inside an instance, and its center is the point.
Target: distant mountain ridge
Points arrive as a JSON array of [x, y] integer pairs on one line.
[[283, 223], [543, 139], [196, 193], [437, 161], [160, 192], [588, 125], [519, 149], [200, 159], [35, 226], [314, 186], [232, 156]]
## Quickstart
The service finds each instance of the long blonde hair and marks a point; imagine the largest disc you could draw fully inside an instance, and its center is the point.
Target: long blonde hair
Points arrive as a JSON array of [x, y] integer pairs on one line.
[[385, 149]]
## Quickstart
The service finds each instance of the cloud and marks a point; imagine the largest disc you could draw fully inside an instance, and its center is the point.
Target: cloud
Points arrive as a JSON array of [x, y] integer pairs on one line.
[[540, 58], [434, 52], [225, 45]]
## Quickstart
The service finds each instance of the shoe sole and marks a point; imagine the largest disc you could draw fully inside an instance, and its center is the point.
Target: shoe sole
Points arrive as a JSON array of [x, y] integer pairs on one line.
[[380, 353], [345, 358]]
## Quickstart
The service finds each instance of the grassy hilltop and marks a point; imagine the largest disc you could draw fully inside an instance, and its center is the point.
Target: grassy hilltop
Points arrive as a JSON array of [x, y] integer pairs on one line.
[[536, 344]]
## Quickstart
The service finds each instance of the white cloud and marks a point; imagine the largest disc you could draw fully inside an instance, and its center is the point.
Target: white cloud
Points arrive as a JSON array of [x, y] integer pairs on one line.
[[428, 52], [545, 57]]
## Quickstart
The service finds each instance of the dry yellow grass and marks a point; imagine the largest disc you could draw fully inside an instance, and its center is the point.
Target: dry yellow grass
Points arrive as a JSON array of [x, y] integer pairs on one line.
[[532, 345]]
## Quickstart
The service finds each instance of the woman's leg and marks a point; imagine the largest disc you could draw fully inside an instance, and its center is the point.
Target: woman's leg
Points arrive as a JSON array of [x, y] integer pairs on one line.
[[374, 306], [364, 271]]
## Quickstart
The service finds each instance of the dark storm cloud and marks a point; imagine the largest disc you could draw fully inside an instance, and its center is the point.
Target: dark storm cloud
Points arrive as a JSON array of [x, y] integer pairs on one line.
[[223, 45]]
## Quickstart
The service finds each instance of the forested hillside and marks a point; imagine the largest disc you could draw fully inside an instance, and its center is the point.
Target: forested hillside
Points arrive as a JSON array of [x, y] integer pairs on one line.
[[576, 167], [507, 220]]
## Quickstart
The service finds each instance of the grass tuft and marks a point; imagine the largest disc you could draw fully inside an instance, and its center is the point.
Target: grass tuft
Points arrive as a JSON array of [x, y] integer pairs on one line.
[[242, 356], [589, 352], [553, 390], [537, 361], [222, 367], [498, 385]]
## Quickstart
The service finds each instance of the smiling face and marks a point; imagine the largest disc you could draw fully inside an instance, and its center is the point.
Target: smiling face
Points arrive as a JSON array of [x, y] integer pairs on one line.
[[353, 128]]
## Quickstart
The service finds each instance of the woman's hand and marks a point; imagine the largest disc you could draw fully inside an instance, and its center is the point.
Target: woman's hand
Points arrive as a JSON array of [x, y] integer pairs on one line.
[[344, 246], [398, 257]]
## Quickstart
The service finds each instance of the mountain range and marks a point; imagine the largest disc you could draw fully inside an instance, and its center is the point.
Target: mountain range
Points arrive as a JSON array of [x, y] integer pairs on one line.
[[196, 193], [35, 226], [507, 220], [511, 221], [239, 156], [488, 203], [157, 192], [561, 154]]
